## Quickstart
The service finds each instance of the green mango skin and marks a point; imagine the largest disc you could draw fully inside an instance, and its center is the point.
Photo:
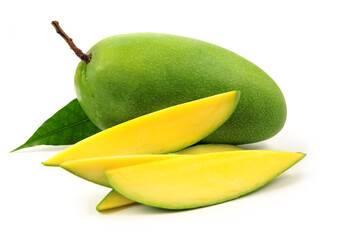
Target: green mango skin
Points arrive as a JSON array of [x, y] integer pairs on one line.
[[131, 75]]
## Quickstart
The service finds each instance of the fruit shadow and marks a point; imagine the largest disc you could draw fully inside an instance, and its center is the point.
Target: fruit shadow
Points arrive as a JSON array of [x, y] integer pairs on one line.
[[280, 182], [254, 146]]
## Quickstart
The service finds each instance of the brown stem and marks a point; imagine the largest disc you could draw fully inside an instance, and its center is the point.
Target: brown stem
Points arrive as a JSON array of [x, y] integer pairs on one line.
[[84, 57]]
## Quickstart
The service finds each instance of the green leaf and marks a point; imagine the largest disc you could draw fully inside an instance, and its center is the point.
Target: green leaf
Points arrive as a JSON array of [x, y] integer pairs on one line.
[[67, 126]]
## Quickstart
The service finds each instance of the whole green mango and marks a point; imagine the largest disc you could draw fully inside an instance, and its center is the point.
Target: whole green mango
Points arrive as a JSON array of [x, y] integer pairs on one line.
[[131, 75]]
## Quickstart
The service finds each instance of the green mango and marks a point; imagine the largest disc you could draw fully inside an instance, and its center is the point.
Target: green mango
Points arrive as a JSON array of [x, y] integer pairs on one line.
[[131, 75]]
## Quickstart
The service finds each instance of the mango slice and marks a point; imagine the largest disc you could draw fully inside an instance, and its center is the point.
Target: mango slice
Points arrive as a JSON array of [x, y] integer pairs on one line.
[[208, 148], [200, 180], [164, 131], [93, 169], [113, 200]]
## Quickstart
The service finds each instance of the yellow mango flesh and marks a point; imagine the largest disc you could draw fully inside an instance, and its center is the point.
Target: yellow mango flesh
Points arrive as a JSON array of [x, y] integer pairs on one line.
[[208, 148], [93, 169], [200, 180], [167, 130], [113, 200]]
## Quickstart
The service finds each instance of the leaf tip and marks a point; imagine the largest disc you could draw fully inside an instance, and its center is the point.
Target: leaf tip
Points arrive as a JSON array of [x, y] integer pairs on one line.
[[16, 149]]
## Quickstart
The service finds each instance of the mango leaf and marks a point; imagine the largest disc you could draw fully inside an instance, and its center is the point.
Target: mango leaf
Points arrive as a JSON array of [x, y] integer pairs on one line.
[[67, 126]]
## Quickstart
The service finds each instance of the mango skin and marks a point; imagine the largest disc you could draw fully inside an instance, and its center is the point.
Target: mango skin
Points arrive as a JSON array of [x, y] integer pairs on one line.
[[134, 74]]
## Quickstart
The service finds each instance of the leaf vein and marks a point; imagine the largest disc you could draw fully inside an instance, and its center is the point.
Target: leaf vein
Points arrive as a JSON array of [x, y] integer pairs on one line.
[[59, 130]]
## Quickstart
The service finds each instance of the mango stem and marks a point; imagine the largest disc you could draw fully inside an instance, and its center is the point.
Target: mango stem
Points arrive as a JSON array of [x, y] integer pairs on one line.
[[83, 56]]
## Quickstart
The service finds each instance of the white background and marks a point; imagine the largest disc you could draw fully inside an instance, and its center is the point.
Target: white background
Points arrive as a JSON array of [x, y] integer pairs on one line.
[[293, 41]]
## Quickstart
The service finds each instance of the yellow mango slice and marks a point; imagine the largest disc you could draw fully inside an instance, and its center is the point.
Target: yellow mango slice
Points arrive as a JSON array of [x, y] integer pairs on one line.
[[208, 148], [113, 200], [200, 180], [164, 131], [93, 169]]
